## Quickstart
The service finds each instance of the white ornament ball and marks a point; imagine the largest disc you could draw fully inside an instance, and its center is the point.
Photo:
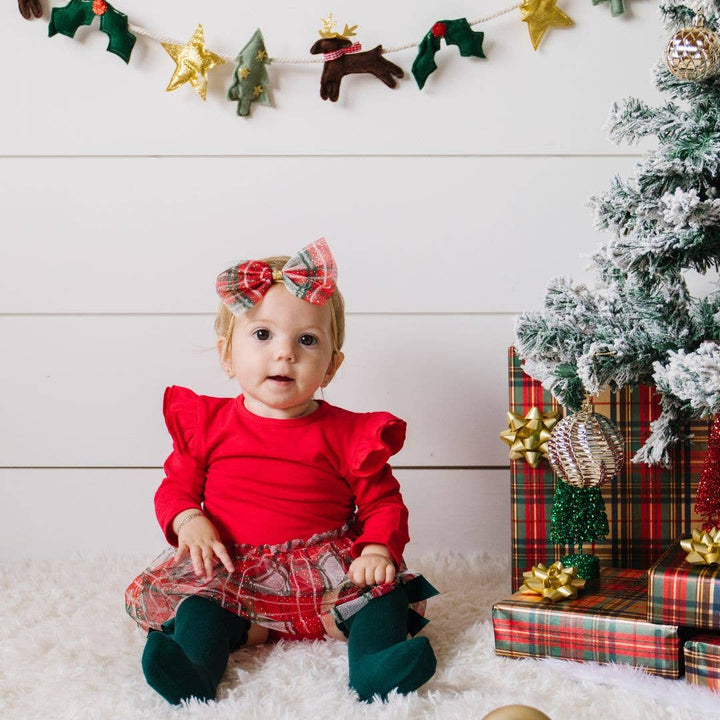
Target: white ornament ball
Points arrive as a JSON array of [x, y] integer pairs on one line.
[[516, 712]]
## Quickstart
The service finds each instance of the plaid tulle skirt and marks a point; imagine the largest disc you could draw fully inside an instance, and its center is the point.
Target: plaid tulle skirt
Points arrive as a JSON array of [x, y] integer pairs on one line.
[[297, 590]]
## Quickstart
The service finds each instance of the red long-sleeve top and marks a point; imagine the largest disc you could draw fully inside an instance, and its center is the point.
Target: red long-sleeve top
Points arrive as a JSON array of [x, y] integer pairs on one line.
[[264, 481]]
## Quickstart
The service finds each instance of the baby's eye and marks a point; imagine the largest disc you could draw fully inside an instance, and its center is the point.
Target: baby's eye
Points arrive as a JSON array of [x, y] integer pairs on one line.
[[308, 340], [262, 334]]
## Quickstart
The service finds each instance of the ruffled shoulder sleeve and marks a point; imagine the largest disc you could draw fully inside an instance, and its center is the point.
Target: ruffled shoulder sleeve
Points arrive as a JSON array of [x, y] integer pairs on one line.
[[181, 408], [379, 436]]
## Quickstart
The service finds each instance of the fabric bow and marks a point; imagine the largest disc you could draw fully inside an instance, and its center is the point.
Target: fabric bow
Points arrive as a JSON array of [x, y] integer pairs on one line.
[[311, 275]]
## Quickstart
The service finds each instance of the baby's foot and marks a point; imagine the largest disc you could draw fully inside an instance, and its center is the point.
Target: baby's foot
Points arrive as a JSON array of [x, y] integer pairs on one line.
[[169, 671], [404, 667]]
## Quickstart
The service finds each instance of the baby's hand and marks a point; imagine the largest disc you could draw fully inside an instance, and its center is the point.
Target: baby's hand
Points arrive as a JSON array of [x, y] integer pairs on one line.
[[373, 567], [199, 537]]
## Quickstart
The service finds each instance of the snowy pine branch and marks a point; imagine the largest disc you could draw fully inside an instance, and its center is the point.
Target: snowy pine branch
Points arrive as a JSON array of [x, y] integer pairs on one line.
[[631, 120], [692, 377]]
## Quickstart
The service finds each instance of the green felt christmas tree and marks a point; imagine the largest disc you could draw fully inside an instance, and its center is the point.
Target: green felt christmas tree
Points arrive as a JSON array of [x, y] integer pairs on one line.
[[251, 82]]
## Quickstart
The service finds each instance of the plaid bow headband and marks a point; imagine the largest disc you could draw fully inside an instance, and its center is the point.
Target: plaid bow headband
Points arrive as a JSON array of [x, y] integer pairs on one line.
[[311, 275]]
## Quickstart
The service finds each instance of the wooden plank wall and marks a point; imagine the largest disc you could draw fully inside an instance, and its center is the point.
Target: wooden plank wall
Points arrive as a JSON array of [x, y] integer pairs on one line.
[[449, 210]]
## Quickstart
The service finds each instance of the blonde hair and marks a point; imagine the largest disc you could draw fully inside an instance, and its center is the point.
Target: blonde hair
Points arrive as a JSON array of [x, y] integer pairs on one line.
[[225, 320]]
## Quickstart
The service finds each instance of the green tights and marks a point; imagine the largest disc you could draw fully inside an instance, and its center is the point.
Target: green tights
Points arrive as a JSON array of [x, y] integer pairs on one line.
[[381, 657], [188, 658]]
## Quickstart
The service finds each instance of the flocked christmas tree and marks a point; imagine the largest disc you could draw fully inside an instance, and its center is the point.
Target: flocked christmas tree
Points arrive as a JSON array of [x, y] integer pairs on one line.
[[640, 323]]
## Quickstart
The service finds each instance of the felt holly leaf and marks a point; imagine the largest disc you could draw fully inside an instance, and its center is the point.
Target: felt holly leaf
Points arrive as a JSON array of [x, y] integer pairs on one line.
[[456, 32], [66, 20]]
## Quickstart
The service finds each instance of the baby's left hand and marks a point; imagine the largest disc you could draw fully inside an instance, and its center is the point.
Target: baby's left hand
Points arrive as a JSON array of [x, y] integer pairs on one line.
[[371, 568]]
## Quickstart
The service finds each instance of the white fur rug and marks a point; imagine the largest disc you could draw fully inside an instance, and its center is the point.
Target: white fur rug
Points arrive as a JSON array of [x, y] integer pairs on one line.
[[67, 650]]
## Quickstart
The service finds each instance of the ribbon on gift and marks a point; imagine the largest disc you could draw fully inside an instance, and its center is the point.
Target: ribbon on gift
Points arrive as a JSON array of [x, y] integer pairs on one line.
[[528, 436], [703, 547], [553, 583]]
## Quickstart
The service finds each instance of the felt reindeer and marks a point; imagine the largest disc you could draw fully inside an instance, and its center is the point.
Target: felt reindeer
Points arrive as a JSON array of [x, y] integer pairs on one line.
[[343, 57]]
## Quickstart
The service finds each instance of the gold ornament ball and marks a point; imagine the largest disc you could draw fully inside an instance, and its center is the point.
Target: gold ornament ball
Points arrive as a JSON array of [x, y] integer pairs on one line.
[[586, 449], [516, 712], [693, 53]]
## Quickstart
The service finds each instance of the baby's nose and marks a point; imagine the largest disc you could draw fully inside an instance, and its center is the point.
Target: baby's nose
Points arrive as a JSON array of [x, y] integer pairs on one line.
[[285, 351]]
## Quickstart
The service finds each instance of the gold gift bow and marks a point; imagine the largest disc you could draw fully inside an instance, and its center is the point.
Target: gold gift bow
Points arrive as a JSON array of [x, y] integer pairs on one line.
[[553, 583], [703, 548], [527, 436]]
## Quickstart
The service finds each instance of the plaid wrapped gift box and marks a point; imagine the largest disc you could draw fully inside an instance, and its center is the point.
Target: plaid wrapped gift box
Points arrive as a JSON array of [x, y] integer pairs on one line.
[[607, 625], [702, 660], [648, 508], [683, 594]]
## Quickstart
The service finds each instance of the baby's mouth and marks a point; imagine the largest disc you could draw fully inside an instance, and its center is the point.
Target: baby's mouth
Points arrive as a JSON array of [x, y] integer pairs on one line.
[[281, 378]]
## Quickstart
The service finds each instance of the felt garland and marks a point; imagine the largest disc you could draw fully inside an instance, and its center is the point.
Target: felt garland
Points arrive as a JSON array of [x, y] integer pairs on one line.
[[252, 84]]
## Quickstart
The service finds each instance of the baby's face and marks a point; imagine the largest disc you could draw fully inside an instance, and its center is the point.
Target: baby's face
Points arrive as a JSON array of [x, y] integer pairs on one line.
[[281, 354]]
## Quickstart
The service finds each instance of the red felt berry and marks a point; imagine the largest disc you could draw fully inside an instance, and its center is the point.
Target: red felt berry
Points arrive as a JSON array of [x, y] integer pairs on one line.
[[99, 7], [439, 29]]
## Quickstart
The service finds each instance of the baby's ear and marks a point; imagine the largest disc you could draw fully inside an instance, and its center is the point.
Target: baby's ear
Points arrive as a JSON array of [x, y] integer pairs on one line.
[[224, 355], [335, 362]]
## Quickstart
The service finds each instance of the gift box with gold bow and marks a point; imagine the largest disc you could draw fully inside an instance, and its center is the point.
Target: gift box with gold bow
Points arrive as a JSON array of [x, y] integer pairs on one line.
[[648, 508], [607, 625], [684, 584], [702, 660]]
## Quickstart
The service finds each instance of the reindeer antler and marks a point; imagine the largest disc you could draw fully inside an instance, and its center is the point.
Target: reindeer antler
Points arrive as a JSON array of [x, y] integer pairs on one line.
[[328, 29], [349, 31]]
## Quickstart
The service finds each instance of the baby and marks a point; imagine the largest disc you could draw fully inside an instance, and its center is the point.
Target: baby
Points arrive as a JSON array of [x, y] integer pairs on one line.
[[285, 515]]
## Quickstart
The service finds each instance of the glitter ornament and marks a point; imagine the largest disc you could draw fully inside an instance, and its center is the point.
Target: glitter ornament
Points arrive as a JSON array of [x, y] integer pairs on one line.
[[516, 712], [693, 53], [585, 449], [707, 502]]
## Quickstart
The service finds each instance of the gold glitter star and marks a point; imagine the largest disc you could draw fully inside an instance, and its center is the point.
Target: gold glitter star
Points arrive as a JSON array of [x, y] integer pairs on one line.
[[261, 55], [192, 63], [258, 90], [243, 72], [540, 15]]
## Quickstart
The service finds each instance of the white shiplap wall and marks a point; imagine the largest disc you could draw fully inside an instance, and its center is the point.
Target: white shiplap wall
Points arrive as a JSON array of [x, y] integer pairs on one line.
[[120, 203]]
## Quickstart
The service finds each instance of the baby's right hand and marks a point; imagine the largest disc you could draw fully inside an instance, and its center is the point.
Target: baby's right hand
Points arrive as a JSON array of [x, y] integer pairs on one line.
[[199, 537]]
